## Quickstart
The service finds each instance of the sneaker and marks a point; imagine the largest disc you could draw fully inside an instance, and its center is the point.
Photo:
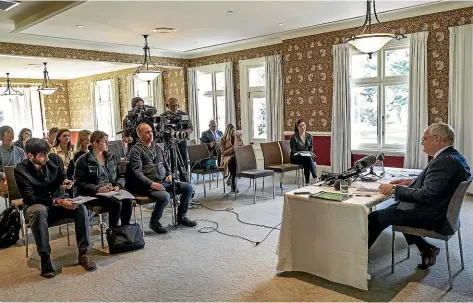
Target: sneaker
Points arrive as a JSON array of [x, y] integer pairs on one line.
[[157, 228], [47, 269], [186, 222], [86, 263]]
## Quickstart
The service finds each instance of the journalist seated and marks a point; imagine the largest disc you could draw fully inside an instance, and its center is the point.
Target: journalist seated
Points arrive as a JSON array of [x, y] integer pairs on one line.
[[99, 171], [422, 202], [41, 182], [148, 174], [302, 151]]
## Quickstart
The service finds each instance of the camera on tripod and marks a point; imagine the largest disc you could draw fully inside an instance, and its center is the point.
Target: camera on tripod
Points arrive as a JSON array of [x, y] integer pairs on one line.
[[172, 127]]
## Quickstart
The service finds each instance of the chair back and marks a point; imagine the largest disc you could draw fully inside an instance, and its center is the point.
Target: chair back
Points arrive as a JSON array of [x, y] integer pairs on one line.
[[271, 153], [116, 149], [286, 151], [453, 211], [13, 192], [197, 152], [245, 158], [191, 142]]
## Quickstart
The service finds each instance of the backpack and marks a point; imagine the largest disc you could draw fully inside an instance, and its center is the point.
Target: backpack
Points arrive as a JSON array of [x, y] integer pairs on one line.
[[9, 227]]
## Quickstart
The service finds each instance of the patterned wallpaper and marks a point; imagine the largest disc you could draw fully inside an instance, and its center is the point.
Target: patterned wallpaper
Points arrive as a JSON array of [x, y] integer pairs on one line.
[[175, 86], [235, 57], [307, 68], [56, 106]]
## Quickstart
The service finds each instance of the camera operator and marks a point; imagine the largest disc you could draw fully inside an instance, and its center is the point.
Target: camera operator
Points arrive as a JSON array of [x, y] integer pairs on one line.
[[127, 136], [149, 174], [174, 110]]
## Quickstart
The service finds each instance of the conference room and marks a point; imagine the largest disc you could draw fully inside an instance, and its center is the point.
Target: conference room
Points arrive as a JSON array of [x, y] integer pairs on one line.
[[295, 124]]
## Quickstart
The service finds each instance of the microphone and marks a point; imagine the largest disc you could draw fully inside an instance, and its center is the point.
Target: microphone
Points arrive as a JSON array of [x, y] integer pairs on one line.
[[368, 161]]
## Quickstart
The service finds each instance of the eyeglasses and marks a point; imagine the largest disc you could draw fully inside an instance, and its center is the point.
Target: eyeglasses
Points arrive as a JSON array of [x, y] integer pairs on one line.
[[425, 138]]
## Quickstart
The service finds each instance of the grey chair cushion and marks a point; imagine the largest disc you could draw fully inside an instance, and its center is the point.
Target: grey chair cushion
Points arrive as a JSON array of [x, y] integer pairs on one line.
[[281, 168], [201, 171], [420, 232], [255, 173]]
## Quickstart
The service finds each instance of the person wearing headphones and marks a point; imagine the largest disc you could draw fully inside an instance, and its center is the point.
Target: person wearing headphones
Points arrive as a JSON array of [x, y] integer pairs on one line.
[[127, 138], [174, 110]]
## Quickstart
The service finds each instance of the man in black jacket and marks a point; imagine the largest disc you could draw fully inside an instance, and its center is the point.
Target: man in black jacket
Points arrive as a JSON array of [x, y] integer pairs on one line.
[[41, 182], [148, 174], [423, 202]]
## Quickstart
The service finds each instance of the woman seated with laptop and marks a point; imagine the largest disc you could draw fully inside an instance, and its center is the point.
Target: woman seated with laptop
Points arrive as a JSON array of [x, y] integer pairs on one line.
[[98, 172], [302, 151]]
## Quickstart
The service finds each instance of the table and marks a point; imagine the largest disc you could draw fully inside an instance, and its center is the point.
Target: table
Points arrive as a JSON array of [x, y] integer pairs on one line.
[[329, 239]]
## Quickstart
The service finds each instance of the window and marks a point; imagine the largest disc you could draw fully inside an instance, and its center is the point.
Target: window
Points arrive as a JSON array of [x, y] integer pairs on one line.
[[144, 90], [17, 111], [379, 99], [104, 108], [211, 97]]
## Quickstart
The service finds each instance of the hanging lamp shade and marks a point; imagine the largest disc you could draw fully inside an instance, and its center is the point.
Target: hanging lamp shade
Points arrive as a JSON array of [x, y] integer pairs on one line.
[[144, 72], [47, 87]]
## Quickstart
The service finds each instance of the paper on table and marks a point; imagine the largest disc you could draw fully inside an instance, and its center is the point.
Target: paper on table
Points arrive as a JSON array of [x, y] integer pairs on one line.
[[82, 199], [120, 195]]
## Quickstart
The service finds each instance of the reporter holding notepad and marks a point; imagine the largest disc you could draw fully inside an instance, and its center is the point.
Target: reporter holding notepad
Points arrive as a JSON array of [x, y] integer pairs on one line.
[[99, 171], [302, 150]]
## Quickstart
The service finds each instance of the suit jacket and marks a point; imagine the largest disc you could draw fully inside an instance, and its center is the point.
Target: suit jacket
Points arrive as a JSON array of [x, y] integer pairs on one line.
[[208, 137], [40, 186], [431, 191]]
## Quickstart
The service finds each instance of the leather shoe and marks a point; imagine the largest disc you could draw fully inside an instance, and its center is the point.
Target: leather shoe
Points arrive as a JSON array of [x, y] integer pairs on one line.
[[186, 222], [429, 257], [157, 228], [47, 269], [86, 263]]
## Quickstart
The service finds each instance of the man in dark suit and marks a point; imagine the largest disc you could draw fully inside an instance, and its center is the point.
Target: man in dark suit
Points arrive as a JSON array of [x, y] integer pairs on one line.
[[211, 135], [423, 202]]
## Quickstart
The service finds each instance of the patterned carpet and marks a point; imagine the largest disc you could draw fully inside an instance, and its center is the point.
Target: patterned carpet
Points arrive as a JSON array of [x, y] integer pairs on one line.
[[186, 265]]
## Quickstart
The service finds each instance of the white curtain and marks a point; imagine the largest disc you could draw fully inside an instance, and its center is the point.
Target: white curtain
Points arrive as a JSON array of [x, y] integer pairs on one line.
[[93, 89], [230, 108], [158, 94], [418, 99], [130, 90], [192, 99], [274, 97], [460, 89], [115, 98], [340, 152]]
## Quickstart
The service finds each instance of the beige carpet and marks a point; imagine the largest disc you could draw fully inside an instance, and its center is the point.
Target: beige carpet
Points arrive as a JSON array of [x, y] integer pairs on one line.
[[186, 265]]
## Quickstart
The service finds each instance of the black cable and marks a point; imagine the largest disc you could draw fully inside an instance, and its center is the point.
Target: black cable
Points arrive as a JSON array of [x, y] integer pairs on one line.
[[209, 229]]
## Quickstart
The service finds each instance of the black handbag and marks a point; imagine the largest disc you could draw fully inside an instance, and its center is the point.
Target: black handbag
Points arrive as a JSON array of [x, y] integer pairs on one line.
[[125, 238]]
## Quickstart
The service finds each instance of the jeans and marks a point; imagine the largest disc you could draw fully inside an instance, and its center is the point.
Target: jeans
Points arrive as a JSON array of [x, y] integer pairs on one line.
[[117, 209], [40, 216], [379, 220], [232, 171], [307, 163], [162, 198]]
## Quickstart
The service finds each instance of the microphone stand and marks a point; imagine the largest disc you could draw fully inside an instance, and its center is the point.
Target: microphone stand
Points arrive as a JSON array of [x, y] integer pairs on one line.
[[371, 172]]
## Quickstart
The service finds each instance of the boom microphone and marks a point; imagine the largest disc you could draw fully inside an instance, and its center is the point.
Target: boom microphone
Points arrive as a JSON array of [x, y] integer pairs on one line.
[[367, 161]]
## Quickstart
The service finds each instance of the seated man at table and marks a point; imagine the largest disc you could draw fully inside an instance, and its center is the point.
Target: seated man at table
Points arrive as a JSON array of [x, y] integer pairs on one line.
[[41, 182], [422, 202]]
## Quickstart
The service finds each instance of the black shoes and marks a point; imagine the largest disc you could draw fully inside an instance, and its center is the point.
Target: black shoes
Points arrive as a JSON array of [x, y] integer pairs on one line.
[[429, 257], [186, 222], [157, 228], [86, 263], [47, 269]]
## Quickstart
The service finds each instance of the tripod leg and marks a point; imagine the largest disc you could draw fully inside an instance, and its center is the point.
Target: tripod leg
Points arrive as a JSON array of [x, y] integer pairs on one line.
[[205, 192]]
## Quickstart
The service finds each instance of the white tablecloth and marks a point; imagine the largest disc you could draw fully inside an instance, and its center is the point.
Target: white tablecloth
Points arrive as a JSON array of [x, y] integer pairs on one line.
[[327, 238]]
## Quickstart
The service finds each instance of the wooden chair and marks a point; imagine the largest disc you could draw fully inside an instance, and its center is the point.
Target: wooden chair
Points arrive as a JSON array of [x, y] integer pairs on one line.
[[17, 200], [246, 168], [273, 160], [196, 154], [286, 153], [452, 226]]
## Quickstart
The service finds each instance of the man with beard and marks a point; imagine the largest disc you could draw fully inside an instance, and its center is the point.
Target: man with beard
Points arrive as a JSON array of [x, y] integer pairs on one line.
[[41, 181]]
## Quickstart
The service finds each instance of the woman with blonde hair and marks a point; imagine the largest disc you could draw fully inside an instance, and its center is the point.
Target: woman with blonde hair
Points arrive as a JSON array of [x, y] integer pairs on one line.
[[230, 139], [82, 147]]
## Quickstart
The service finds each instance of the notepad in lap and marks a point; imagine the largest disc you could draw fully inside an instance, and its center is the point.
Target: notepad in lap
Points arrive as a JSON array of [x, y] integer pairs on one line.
[[82, 199], [120, 195], [304, 153]]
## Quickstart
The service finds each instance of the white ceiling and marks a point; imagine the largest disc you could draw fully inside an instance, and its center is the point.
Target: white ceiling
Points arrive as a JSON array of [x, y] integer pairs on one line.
[[118, 25], [19, 67]]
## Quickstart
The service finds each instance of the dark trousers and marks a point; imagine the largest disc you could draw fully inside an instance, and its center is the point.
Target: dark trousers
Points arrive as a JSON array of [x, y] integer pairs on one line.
[[40, 216], [307, 163], [117, 209], [182, 147], [162, 199], [379, 220], [232, 171]]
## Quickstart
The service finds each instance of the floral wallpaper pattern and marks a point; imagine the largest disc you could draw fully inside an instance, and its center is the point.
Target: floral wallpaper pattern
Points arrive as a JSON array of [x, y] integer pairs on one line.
[[175, 86], [56, 106], [307, 68]]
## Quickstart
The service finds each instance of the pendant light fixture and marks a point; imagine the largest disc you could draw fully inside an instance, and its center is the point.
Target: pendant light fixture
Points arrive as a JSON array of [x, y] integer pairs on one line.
[[143, 72], [47, 87], [10, 91], [370, 42]]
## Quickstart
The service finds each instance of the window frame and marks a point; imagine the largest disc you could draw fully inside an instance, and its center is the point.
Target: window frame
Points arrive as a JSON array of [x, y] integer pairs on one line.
[[380, 82], [97, 107]]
